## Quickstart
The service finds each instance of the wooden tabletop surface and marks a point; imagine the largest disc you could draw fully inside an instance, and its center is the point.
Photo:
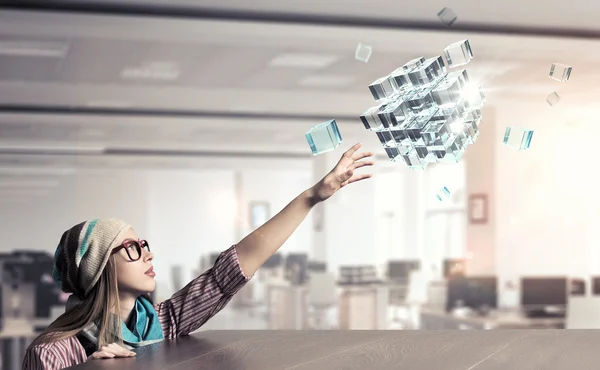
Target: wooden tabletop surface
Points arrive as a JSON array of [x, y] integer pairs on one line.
[[407, 349]]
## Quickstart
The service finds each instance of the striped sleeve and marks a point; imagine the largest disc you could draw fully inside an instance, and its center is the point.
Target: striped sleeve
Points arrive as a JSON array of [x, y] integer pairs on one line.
[[39, 358], [56, 355], [189, 308]]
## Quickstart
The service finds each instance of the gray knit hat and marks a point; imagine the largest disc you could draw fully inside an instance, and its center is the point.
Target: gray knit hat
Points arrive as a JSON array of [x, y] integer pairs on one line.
[[83, 252]]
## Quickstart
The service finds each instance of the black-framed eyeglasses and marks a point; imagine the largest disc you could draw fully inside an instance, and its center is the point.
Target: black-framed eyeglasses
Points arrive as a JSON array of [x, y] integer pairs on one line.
[[133, 248]]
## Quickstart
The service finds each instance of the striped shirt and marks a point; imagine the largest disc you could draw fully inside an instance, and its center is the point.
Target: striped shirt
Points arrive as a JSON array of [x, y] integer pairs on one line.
[[186, 311]]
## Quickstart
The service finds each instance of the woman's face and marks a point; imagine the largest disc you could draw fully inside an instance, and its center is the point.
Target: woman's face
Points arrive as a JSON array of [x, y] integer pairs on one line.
[[131, 275]]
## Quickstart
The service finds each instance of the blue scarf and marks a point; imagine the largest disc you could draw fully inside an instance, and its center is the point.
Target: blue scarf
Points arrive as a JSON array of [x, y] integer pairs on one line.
[[145, 324], [144, 329]]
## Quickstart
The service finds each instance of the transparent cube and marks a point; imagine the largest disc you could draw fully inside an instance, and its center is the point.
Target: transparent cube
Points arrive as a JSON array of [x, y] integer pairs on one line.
[[370, 118], [428, 74], [422, 103], [395, 113], [400, 81], [455, 150], [381, 89], [560, 72], [553, 99], [393, 153], [412, 64], [415, 128], [443, 194], [517, 137], [398, 135], [385, 138], [324, 137], [462, 75], [414, 160], [363, 52], [447, 16], [458, 54], [437, 130], [448, 92], [474, 96]]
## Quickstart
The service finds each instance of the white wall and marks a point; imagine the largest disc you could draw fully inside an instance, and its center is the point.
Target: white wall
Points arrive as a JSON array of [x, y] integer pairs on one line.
[[547, 195]]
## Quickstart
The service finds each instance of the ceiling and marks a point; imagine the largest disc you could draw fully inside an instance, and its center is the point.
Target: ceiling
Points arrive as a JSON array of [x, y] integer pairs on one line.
[[238, 79]]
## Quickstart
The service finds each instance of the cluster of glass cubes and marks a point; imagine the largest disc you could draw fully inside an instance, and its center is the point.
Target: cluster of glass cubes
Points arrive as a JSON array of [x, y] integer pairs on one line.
[[425, 114]]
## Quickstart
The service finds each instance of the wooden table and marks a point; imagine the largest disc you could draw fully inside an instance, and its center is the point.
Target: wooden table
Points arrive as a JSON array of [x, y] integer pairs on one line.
[[409, 349]]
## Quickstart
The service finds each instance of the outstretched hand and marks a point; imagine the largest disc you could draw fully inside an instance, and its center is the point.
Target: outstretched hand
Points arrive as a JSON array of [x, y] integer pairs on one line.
[[342, 174]]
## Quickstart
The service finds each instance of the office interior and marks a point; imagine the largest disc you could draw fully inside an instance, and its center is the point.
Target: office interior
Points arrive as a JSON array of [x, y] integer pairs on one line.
[[188, 120]]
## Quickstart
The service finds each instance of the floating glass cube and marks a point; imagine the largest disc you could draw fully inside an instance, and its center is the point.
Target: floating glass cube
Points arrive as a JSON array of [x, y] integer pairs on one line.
[[381, 88], [443, 194], [370, 118], [448, 92], [426, 114], [458, 54], [447, 16], [395, 113], [324, 137], [429, 73], [553, 99], [363, 52], [517, 137], [560, 72]]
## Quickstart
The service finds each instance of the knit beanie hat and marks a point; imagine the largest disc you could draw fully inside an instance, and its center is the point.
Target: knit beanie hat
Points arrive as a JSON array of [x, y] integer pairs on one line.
[[82, 253]]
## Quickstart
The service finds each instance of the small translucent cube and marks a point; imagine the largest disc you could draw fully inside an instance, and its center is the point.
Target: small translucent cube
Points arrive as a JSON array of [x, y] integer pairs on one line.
[[414, 160], [412, 64], [517, 137], [560, 72], [447, 16], [443, 194], [436, 130], [429, 73], [553, 99], [395, 113], [363, 52], [473, 96], [385, 138], [381, 88], [324, 137], [448, 92], [370, 118], [400, 81], [458, 54], [422, 103]]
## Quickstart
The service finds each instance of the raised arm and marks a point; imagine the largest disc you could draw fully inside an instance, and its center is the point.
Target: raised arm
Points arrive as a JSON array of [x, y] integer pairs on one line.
[[262, 243]]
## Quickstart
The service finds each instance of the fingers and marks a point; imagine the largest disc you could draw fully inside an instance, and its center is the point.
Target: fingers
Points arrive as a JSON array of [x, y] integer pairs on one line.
[[362, 155], [351, 151], [118, 350], [359, 177], [361, 164], [112, 350]]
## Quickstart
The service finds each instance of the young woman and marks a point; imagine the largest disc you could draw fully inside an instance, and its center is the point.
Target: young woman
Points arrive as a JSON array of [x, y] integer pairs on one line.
[[108, 271]]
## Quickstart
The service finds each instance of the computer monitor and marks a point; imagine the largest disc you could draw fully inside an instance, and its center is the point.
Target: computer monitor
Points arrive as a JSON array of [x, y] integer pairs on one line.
[[317, 266], [596, 285], [577, 287], [540, 293], [454, 267], [274, 261], [296, 268], [476, 292], [401, 269]]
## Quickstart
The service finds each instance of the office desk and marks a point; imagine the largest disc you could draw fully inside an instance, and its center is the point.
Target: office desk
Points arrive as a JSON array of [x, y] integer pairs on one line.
[[376, 350], [432, 319]]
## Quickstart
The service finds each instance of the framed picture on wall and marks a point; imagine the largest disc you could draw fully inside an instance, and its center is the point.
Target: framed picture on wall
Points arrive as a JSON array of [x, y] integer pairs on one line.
[[260, 212], [478, 208]]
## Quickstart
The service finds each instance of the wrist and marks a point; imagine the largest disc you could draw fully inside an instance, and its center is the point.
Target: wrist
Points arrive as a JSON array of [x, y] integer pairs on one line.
[[310, 195]]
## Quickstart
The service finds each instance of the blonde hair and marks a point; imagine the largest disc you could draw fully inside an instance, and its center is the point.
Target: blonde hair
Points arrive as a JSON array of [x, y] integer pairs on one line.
[[100, 303]]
